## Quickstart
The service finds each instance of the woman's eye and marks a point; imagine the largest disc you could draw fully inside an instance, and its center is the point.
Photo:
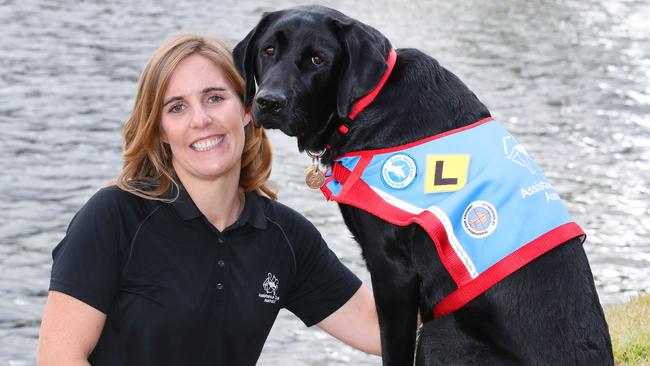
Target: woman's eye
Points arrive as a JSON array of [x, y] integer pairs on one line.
[[316, 60], [215, 99], [269, 51], [176, 108]]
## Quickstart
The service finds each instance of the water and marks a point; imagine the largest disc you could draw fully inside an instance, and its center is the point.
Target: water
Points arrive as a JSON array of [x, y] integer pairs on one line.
[[570, 79]]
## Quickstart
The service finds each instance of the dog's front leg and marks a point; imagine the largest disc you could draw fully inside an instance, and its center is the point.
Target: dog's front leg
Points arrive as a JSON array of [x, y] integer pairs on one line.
[[395, 283], [396, 297]]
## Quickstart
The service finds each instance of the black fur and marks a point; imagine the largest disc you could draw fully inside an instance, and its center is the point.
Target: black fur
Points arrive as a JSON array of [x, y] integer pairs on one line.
[[547, 313]]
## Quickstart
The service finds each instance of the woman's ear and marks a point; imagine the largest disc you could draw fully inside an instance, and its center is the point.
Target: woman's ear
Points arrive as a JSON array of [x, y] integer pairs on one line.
[[248, 116]]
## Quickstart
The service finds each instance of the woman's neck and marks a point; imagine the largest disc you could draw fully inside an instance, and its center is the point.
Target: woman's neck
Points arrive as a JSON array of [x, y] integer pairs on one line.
[[220, 200]]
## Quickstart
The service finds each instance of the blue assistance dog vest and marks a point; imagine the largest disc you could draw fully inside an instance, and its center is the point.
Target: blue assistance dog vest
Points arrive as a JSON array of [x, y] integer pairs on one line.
[[483, 201]]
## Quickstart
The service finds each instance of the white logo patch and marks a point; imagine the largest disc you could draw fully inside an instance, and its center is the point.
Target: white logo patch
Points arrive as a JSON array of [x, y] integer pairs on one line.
[[398, 171], [270, 286], [479, 219]]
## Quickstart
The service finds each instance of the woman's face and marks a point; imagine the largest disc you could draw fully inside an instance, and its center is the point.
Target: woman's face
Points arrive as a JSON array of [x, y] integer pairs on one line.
[[203, 121]]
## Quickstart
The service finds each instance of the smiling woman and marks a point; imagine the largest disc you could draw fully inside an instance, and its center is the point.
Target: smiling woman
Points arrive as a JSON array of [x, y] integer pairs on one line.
[[149, 157], [189, 259], [203, 123]]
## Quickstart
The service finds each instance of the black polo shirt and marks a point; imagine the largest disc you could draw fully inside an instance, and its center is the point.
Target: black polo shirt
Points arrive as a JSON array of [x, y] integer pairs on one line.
[[177, 291]]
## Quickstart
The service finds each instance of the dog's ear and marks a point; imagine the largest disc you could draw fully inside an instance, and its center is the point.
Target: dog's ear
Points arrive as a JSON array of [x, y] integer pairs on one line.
[[365, 51], [244, 55]]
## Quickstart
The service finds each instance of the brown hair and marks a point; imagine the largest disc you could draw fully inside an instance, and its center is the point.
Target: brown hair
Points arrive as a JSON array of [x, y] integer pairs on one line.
[[147, 170]]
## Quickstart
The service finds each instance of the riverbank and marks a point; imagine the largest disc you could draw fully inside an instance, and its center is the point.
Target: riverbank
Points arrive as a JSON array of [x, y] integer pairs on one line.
[[629, 326]]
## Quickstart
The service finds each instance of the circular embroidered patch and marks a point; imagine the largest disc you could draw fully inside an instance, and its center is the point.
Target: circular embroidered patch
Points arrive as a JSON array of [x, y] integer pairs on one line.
[[398, 171], [479, 219]]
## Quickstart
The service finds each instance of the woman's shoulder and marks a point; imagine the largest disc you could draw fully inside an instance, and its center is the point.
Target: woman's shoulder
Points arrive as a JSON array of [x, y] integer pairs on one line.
[[289, 219], [279, 211], [112, 195], [112, 200]]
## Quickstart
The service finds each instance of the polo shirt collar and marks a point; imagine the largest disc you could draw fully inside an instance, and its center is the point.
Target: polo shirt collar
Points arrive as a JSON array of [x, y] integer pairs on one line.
[[253, 212], [183, 204]]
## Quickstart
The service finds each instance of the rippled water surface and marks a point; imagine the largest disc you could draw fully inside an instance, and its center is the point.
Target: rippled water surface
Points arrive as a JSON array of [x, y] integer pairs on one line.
[[570, 79]]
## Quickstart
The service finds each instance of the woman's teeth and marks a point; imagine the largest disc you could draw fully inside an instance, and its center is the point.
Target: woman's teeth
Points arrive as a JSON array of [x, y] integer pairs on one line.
[[206, 144]]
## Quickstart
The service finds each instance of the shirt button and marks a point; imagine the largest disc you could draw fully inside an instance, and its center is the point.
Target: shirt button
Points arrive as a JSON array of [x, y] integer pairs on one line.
[[221, 263], [219, 286], [221, 240]]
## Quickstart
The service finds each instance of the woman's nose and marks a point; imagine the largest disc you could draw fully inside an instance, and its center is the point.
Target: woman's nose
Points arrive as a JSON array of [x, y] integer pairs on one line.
[[200, 118]]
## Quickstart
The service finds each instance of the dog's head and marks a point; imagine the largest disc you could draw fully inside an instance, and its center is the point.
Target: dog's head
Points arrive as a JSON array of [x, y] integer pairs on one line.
[[310, 65]]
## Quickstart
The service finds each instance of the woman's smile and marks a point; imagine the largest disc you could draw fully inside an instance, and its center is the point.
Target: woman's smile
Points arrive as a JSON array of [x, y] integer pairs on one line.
[[208, 143]]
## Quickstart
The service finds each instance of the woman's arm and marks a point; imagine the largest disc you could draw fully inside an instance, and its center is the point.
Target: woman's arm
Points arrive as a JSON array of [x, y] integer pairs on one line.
[[69, 331], [356, 323]]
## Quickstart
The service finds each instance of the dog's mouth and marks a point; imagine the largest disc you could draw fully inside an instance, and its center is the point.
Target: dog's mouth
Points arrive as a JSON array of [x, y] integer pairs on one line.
[[291, 121], [297, 125], [310, 128], [276, 123], [289, 130]]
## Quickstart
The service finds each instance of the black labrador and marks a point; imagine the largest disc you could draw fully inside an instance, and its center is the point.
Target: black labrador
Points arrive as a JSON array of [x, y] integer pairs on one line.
[[305, 68]]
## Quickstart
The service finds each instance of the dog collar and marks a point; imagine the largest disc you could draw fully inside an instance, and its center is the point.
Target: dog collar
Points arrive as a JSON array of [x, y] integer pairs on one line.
[[362, 103]]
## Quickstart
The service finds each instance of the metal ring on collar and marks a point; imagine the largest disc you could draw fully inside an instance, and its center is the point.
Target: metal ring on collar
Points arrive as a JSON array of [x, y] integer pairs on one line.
[[316, 155]]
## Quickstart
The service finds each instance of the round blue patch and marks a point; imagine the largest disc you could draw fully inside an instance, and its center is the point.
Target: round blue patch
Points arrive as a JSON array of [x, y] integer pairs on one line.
[[398, 171]]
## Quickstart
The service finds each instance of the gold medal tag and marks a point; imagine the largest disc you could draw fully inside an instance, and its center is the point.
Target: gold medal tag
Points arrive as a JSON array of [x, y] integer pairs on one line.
[[313, 175], [314, 178]]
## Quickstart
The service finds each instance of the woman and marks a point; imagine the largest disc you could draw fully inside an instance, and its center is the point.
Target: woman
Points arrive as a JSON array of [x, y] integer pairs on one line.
[[185, 261]]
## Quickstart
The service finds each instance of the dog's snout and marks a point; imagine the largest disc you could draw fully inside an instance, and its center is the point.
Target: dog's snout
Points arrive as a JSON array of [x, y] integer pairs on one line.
[[271, 101]]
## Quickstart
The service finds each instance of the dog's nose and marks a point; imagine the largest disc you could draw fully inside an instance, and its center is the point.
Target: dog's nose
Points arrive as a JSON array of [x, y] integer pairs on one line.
[[271, 101]]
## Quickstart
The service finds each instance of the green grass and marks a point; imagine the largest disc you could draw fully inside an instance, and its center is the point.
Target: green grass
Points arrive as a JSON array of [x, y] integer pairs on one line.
[[629, 326]]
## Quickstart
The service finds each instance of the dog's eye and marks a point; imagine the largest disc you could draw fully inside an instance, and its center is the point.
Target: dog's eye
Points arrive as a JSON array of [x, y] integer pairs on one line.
[[269, 51], [316, 60]]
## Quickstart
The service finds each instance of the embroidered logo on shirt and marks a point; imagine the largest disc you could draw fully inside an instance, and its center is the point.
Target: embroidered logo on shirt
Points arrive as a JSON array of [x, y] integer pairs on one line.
[[398, 171], [479, 219], [270, 286], [446, 173]]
